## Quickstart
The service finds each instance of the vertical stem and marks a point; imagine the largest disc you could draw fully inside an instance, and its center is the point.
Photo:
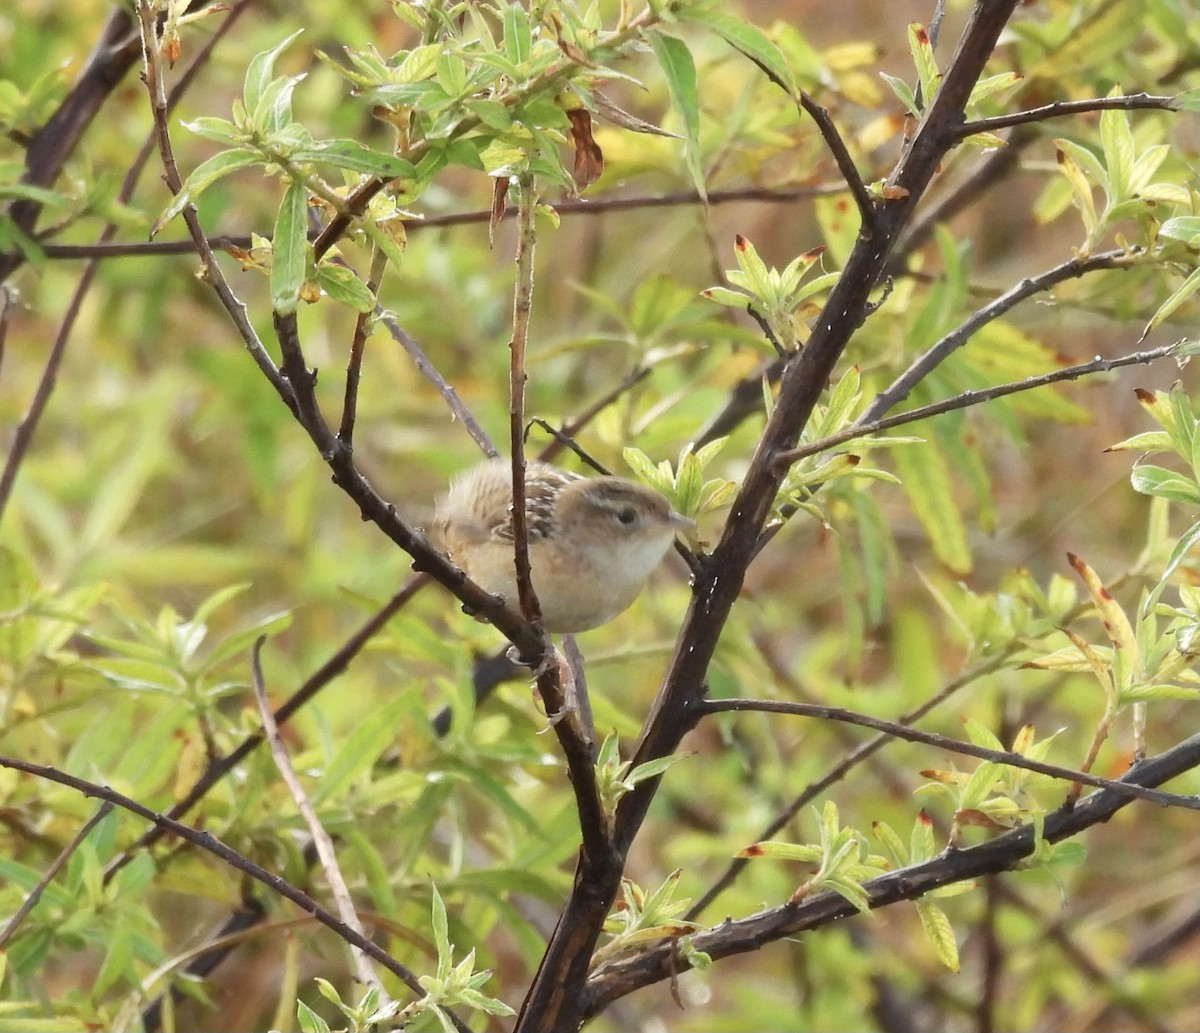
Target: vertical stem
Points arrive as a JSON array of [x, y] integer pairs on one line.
[[522, 305]]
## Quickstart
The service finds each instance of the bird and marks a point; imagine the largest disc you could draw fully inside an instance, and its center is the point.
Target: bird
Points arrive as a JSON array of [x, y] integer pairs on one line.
[[593, 541]]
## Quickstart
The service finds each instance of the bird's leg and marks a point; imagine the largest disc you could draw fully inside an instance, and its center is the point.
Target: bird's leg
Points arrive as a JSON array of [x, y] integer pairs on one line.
[[575, 693]]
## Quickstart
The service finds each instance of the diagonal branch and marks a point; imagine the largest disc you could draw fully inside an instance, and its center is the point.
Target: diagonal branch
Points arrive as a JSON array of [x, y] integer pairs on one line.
[[919, 368], [207, 841], [553, 1001], [1004, 853], [837, 147], [1058, 109], [320, 838], [944, 742], [975, 397]]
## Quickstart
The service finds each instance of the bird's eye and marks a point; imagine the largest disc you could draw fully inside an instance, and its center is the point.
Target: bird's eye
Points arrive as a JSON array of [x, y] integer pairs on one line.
[[626, 515]]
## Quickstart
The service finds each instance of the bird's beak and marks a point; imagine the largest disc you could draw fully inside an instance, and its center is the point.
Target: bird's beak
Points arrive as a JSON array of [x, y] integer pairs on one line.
[[684, 526]]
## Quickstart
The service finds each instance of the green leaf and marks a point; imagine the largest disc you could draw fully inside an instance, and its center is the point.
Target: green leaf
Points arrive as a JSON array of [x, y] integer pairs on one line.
[[1178, 296], [1156, 480], [219, 129], [903, 93], [924, 60], [352, 155], [441, 933], [203, 176], [310, 1021], [993, 84], [289, 261], [344, 286], [260, 71], [745, 37], [939, 932], [926, 481], [518, 40], [1182, 227], [358, 752], [676, 62], [1119, 151]]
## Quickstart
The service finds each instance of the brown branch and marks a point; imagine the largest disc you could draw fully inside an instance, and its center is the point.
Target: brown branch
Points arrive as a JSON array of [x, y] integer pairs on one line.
[[943, 742], [358, 347], [521, 311], [837, 147], [35, 894], [1059, 108], [207, 841], [212, 271], [23, 435], [975, 397], [554, 1000], [592, 207], [218, 768], [1004, 853], [321, 842], [111, 58], [921, 367]]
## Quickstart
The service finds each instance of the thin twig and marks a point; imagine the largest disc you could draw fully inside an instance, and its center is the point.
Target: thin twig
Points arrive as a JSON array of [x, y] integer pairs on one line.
[[976, 397], [571, 736], [207, 841], [921, 367], [592, 207], [23, 435], [522, 309], [1131, 102], [212, 271], [322, 676], [426, 368], [842, 768], [764, 324], [35, 894], [903, 731], [358, 347], [320, 838], [845, 163]]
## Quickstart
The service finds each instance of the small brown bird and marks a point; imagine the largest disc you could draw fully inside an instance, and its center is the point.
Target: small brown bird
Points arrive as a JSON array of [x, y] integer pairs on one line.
[[593, 541]]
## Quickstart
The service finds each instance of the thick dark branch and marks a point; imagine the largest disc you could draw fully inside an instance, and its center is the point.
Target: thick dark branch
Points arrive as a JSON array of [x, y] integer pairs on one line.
[[1004, 853], [944, 742], [553, 1001], [1067, 107], [48, 150]]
